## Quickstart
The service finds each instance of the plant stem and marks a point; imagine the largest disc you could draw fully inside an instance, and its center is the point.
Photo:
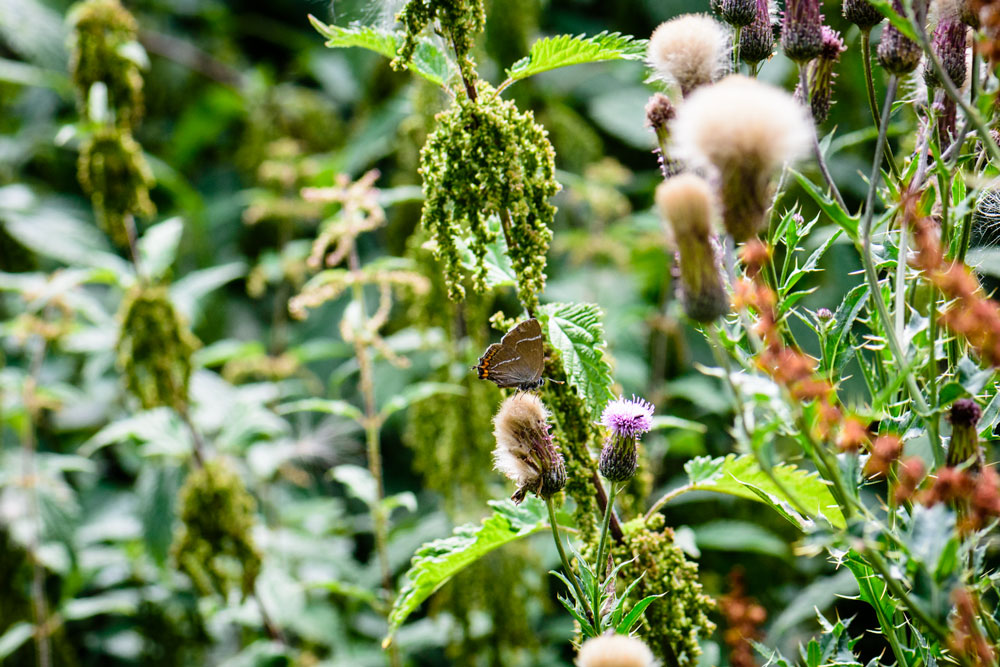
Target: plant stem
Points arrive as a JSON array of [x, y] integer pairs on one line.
[[608, 511], [872, 276], [562, 552], [666, 498], [866, 55], [737, 31], [603, 504], [820, 160]]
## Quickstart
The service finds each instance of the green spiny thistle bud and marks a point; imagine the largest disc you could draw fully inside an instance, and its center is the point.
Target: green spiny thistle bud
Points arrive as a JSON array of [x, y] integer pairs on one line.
[[113, 172], [486, 159], [154, 349], [525, 452], [673, 623], [862, 14], [625, 420], [102, 29], [801, 31], [757, 39], [460, 22], [214, 545], [897, 53], [685, 202], [964, 416]]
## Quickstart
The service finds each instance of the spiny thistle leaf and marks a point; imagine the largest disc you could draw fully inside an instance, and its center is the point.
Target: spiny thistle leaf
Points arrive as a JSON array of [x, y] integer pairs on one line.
[[741, 476], [565, 50], [437, 562], [575, 330], [428, 60]]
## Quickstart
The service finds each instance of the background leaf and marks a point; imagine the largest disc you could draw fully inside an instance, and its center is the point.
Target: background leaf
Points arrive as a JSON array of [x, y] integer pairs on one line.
[[564, 50]]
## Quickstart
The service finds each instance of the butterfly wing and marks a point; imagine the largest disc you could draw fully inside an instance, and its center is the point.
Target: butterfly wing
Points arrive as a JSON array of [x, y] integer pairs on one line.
[[517, 360]]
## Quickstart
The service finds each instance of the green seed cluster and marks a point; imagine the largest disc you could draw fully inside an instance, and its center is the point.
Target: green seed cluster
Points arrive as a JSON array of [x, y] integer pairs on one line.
[[99, 53], [215, 545], [673, 622], [114, 174], [154, 349], [486, 158], [460, 20]]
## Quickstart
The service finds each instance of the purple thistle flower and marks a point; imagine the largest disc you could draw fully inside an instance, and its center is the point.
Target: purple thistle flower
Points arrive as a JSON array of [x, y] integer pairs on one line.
[[626, 419]]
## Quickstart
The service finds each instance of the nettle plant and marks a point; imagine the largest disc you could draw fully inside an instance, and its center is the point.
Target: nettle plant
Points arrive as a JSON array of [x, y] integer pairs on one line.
[[891, 480]]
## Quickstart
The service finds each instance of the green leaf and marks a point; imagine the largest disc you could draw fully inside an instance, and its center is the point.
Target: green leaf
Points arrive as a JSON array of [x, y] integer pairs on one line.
[[669, 421], [732, 535], [985, 261], [429, 61], [329, 406], [418, 392], [438, 561], [550, 53], [846, 222], [158, 247], [575, 330], [741, 476], [15, 637], [633, 616], [499, 270]]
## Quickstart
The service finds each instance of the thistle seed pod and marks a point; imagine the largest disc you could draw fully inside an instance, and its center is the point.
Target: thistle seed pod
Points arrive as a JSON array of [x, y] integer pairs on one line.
[[689, 51], [524, 451], [897, 53], [612, 650], [744, 130], [801, 30], [685, 203]]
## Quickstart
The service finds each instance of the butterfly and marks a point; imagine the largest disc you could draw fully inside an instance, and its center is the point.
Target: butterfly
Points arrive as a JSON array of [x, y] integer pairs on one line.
[[517, 360]]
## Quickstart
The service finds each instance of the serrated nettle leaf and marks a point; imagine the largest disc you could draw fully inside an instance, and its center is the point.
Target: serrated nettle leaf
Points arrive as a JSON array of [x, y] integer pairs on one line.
[[435, 563], [429, 61], [741, 476], [564, 50], [576, 332]]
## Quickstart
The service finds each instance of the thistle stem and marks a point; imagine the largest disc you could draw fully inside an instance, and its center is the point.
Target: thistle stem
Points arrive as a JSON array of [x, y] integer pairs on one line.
[[820, 160], [737, 32], [608, 511], [866, 56], [872, 276], [562, 552]]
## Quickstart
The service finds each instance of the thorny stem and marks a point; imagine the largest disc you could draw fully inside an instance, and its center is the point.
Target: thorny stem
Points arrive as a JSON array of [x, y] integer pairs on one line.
[[737, 31], [820, 160], [562, 553], [608, 511], [869, 264], [39, 605], [866, 56]]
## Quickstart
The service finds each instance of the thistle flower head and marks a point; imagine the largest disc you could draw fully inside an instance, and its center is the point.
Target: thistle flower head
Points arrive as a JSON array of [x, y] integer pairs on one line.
[[897, 53], [757, 39], [964, 416], [689, 51], [614, 651], [524, 451], [737, 13], [949, 44], [686, 204], [626, 420], [820, 75], [862, 14], [801, 34], [744, 130]]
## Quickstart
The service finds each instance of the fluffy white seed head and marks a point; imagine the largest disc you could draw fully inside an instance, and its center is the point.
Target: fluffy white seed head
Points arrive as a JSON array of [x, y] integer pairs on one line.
[[741, 120], [689, 51], [685, 203], [520, 422], [614, 651]]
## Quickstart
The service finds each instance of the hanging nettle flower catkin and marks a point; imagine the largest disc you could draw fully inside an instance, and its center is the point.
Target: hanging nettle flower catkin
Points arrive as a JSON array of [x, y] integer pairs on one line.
[[154, 349], [757, 39], [801, 30], [820, 75], [525, 452], [897, 53], [744, 131], [862, 14], [686, 204], [610, 650], [625, 420], [964, 416], [689, 51]]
